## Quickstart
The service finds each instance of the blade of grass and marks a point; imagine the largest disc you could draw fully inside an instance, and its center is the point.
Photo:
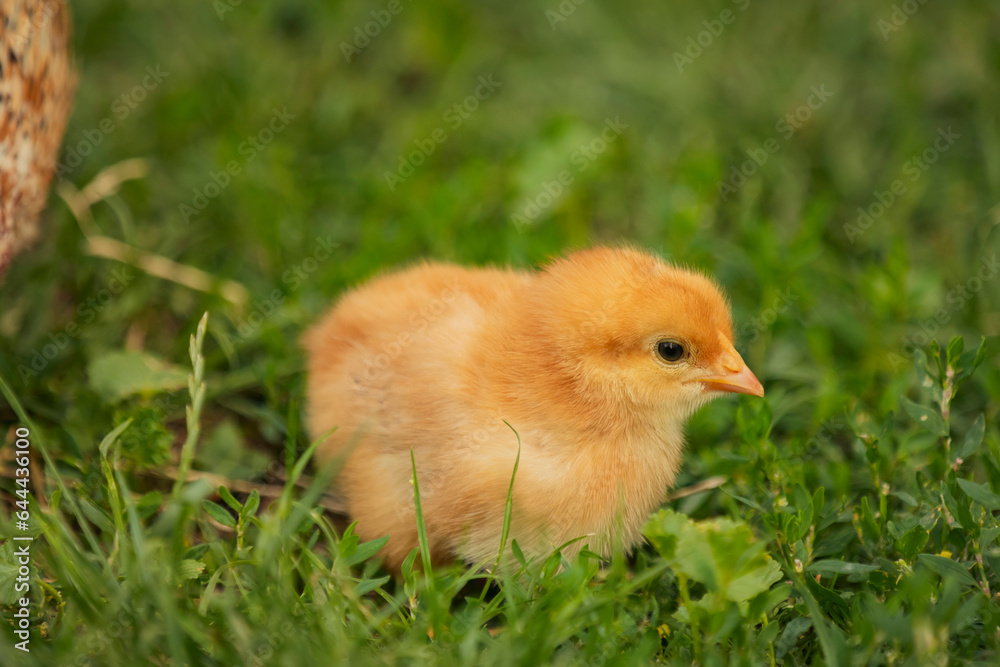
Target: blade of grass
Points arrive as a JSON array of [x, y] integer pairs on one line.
[[508, 511], [108, 468], [196, 390], [38, 441], [425, 554], [509, 504]]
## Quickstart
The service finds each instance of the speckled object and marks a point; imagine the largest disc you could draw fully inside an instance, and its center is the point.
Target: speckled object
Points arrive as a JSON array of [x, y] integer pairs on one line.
[[37, 83]]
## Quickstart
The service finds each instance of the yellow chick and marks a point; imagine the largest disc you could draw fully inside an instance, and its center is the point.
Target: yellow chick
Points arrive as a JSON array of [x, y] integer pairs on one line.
[[596, 361]]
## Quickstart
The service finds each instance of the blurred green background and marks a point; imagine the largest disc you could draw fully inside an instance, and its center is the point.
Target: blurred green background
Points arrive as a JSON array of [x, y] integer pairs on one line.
[[698, 89], [864, 222], [228, 66]]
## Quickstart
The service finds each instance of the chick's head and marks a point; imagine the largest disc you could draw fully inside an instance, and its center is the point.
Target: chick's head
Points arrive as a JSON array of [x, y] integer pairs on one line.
[[658, 336]]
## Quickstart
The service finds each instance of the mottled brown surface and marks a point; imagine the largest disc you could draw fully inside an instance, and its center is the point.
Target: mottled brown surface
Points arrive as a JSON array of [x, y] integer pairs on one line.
[[36, 94]]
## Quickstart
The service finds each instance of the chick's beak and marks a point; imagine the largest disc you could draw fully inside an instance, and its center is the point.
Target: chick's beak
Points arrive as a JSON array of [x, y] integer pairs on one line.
[[733, 375]]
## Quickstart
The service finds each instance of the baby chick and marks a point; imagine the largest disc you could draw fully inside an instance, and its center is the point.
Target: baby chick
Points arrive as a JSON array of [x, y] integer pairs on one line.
[[596, 362]]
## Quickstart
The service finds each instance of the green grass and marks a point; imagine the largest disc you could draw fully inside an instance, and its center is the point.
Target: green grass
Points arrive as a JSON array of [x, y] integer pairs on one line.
[[853, 533]]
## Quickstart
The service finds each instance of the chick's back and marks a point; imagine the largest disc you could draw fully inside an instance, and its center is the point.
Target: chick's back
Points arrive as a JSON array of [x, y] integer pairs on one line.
[[388, 368]]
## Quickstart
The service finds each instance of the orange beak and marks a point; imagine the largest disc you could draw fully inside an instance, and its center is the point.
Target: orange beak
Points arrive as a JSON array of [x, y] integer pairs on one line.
[[734, 374]]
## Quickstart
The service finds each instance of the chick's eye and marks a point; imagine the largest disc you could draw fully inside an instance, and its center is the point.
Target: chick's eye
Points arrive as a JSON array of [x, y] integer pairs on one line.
[[669, 350]]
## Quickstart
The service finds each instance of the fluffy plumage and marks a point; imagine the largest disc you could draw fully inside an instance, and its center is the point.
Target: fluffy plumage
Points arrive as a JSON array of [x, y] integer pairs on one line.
[[437, 357]]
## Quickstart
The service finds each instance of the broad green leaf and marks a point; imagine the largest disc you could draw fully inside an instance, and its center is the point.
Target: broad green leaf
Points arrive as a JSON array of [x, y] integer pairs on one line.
[[348, 545], [865, 518], [754, 582], [832, 603], [117, 375], [219, 513], [368, 585], [835, 544], [229, 499], [365, 551], [768, 633], [970, 361], [197, 551], [818, 500], [891, 528], [794, 631], [913, 542], [987, 537], [349, 531], [920, 366], [765, 602], [939, 357], [406, 569], [9, 572], [946, 567], [955, 347], [974, 438], [722, 554], [683, 546], [958, 503], [981, 494], [190, 569], [994, 564], [253, 502], [924, 416], [804, 517]]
